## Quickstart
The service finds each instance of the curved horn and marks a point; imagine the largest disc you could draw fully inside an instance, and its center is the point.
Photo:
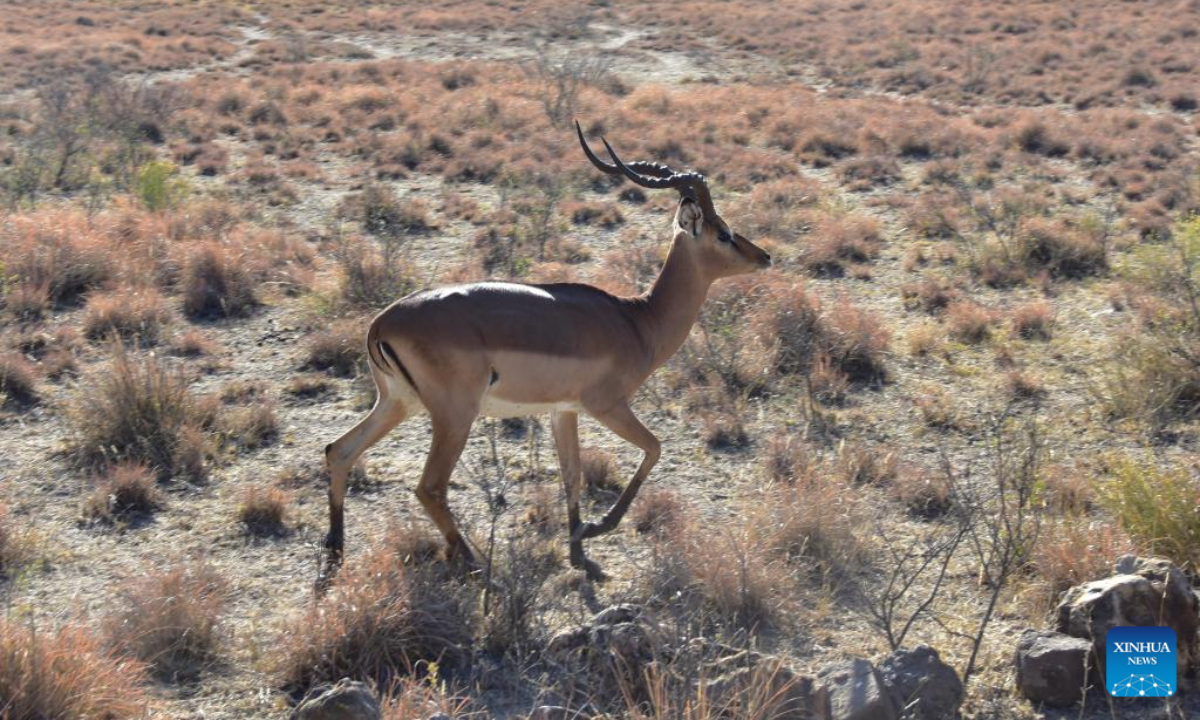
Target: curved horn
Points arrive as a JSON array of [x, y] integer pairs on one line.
[[640, 166], [691, 181]]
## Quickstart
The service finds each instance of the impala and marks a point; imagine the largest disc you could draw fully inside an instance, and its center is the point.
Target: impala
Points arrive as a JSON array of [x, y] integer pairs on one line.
[[512, 350]]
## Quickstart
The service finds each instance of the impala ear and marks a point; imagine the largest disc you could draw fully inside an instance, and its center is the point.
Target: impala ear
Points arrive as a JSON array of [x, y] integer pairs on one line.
[[689, 217]]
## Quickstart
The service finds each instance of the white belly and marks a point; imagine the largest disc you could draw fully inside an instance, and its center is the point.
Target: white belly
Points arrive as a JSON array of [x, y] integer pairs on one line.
[[499, 408]]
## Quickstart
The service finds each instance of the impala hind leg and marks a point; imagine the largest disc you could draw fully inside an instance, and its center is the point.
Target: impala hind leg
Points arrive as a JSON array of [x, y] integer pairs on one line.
[[449, 439], [625, 424], [566, 440], [340, 456]]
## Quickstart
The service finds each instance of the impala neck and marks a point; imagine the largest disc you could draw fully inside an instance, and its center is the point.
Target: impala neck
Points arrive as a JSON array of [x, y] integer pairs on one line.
[[673, 304]]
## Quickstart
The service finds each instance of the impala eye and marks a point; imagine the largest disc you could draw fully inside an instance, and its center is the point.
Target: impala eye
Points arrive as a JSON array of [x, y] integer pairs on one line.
[[725, 236]]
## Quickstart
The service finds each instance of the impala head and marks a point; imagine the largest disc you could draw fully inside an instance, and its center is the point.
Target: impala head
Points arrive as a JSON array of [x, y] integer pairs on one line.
[[717, 249]]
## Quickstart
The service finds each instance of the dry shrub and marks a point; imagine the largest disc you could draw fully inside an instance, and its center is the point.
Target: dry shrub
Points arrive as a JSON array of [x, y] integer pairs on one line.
[[56, 256], [371, 278], [1042, 246], [382, 213], [605, 214], [410, 698], [722, 421], [263, 511], [18, 379], [1154, 379], [125, 491], [798, 329], [657, 511], [938, 410], [377, 621], [1034, 321], [170, 620], [16, 546], [787, 459], [721, 574], [810, 526], [194, 343], [250, 427], [339, 348], [969, 322], [1020, 385], [600, 469], [307, 386], [1075, 550], [765, 690], [67, 673], [922, 493], [925, 339], [839, 239], [933, 295], [140, 410], [216, 283], [862, 464], [1066, 490], [135, 315]]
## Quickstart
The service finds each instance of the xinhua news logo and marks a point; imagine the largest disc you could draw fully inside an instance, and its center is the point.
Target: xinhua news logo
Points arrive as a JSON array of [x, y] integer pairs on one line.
[[1140, 662]]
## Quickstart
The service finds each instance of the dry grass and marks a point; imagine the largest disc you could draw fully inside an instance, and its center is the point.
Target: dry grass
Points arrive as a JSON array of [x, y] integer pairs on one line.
[[66, 673], [249, 427], [968, 322], [811, 526], [18, 380], [124, 492], [262, 511], [378, 621], [216, 284], [1075, 550], [16, 544], [657, 511], [140, 410], [722, 577], [1034, 321], [133, 315], [599, 469], [171, 621], [339, 348]]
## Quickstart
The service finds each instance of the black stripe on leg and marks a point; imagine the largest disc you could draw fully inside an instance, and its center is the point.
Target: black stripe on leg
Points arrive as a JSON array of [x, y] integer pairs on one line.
[[387, 349]]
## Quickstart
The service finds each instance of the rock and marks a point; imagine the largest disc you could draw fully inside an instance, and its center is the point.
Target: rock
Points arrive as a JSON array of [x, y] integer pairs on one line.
[[1155, 596], [616, 647], [747, 678], [1053, 668], [555, 712], [853, 690], [623, 613], [1180, 604], [347, 700], [921, 686]]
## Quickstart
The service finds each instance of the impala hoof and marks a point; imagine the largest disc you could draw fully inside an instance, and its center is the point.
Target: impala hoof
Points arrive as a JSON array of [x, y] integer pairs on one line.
[[593, 571]]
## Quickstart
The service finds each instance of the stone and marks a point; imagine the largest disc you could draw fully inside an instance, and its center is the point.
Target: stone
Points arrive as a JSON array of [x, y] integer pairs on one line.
[[555, 712], [346, 700], [1090, 610], [1053, 668], [921, 686], [853, 690], [747, 678], [1180, 606]]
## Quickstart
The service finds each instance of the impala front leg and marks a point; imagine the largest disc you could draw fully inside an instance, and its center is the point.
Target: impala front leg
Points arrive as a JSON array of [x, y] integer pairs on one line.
[[625, 424], [566, 440]]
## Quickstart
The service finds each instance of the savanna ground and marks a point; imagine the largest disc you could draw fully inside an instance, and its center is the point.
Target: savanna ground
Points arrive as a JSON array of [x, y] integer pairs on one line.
[[979, 343]]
